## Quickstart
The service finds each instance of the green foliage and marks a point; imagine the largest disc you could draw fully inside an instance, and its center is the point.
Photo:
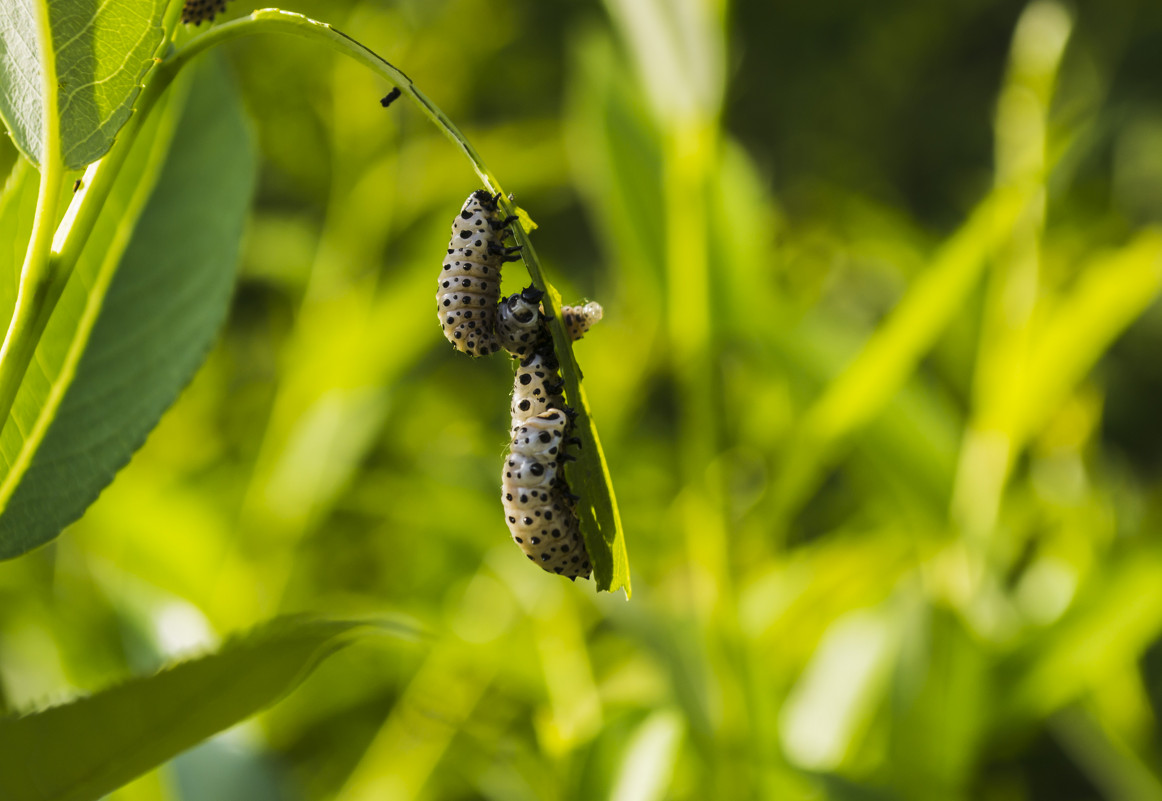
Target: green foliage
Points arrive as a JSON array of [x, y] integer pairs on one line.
[[97, 55], [93, 745], [146, 299], [17, 210], [877, 382]]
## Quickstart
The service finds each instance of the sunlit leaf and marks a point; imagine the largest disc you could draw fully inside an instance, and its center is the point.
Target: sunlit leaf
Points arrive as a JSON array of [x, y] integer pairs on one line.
[[101, 52], [589, 477], [137, 317], [1117, 618], [91, 746]]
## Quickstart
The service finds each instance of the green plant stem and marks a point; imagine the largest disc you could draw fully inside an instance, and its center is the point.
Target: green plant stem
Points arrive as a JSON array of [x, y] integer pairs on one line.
[[35, 295], [273, 20]]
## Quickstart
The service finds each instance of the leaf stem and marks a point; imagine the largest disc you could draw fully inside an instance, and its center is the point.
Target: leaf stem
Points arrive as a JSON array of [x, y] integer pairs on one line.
[[35, 294]]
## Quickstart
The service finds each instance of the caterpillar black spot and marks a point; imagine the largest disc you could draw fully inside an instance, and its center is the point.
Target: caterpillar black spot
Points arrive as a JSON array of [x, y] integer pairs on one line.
[[390, 97], [469, 286], [538, 506], [195, 12]]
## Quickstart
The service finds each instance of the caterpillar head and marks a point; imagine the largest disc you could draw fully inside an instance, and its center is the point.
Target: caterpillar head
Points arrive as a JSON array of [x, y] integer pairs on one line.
[[523, 307]]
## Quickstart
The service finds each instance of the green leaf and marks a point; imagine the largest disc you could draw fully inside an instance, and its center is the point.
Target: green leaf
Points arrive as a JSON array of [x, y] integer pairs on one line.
[[589, 476], [140, 311], [1113, 622], [101, 53], [89, 747]]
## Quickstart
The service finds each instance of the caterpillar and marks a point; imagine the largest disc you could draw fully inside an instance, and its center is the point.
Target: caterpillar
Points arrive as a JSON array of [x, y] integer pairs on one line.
[[469, 287], [538, 506], [195, 12]]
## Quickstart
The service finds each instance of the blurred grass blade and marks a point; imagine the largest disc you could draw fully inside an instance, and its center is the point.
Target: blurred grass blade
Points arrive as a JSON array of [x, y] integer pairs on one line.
[[89, 747], [1112, 292], [1117, 618], [1107, 760], [839, 691], [102, 52], [940, 696], [1021, 134], [890, 356], [679, 53], [422, 725], [892, 353], [137, 317], [650, 758]]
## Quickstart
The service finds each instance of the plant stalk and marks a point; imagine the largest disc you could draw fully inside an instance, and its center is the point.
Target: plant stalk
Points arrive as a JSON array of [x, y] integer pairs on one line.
[[34, 296]]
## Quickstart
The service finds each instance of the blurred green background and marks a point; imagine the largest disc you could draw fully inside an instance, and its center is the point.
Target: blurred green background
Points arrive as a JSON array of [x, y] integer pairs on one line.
[[879, 383]]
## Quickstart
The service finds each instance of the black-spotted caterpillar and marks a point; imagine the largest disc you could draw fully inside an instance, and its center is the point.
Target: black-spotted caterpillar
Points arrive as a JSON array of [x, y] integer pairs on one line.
[[469, 287]]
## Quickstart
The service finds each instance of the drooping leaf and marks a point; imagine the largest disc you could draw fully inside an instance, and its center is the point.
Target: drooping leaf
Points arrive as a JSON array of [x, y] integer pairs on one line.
[[100, 53], [86, 748], [138, 315], [600, 519], [589, 476]]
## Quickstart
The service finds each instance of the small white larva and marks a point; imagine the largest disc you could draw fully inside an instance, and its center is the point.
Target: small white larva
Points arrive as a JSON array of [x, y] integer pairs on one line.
[[579, 319]]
